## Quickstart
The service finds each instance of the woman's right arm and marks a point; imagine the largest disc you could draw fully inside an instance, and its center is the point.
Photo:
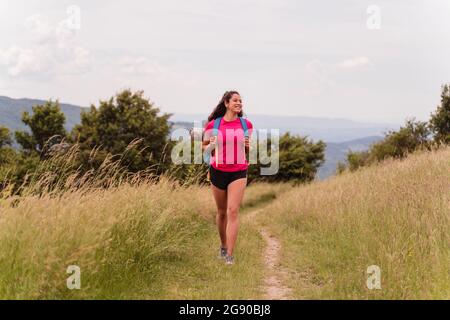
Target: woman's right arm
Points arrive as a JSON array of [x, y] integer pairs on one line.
[[205, 144], [208, 141], [209, 144]]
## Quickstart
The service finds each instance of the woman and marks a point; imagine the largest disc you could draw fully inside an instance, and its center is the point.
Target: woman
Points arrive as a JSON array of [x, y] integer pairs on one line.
[[228, 173]]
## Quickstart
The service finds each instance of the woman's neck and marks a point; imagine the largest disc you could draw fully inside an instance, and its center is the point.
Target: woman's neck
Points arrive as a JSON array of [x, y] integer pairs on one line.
[[230, 116]]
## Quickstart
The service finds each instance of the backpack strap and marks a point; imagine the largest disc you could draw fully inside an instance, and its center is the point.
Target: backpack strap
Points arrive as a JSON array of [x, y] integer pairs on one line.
[[244, 126], [216, 126], [215, 133]]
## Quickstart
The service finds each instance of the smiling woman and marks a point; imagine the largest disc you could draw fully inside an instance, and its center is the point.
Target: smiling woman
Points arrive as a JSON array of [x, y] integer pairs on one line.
[[228, 170]]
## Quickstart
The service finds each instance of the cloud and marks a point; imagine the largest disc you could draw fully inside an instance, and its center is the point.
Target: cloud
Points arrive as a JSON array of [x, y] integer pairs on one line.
[[53, 52], [355, 62], [18, 60]]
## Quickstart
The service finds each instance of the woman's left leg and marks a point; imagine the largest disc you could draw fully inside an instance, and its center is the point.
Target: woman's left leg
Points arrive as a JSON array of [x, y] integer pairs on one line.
[[235, 193]]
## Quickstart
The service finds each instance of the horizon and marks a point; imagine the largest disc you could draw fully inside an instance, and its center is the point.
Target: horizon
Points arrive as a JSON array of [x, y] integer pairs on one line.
[[360, 121]]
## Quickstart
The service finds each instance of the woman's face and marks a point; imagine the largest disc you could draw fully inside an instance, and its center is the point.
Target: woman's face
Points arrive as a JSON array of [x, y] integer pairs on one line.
[[235, 103]]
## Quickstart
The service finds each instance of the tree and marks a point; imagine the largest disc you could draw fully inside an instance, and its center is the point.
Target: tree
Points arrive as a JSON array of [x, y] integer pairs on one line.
[[412, 136], [8, 158], [47, 128], [124, 119], [356, 159], [440, 120], [5, 137], [6, 152], [299, 160], [398, 144]]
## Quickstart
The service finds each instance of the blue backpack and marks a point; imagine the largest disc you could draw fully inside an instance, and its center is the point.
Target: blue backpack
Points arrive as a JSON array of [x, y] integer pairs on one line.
[[215, 133]]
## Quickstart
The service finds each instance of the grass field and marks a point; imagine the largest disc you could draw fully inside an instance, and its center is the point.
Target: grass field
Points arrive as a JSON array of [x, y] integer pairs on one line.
[[395, 215], [158, 240]]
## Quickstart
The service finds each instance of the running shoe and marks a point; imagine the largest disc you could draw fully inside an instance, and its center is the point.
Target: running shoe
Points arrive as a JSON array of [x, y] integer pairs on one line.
[[229, 260]]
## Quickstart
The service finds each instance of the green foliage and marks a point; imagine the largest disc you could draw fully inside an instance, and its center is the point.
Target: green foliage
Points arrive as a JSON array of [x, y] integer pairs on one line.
[[356, 160], [398, 144], [47, 128], [440, 120], [15, 168], [8, 156], [412, 136], [299, 160], [128, 118], [5, 137]]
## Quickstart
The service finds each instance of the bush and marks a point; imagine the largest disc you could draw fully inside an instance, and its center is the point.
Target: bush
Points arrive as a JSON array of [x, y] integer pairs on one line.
[[124, 120], [414, 135], [440, 120], [299, 160]]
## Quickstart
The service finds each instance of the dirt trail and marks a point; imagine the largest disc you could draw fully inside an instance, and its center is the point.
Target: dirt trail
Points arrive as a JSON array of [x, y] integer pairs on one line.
[[276, 275]]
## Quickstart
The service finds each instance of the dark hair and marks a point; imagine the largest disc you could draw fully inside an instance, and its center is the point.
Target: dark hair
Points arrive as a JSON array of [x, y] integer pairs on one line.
[[220, 110]]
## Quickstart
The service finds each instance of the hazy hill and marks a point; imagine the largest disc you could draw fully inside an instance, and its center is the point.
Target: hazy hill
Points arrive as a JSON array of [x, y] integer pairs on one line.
[[11, 112], [336, 152]]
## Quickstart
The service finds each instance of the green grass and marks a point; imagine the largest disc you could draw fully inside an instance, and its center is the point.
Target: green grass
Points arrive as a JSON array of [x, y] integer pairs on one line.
[[394, 215], [148, 239], [202, 275]]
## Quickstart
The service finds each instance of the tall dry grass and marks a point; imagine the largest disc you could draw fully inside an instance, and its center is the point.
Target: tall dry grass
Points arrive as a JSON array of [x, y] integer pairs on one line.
[[119, 237], [395, 215], [132, 235]]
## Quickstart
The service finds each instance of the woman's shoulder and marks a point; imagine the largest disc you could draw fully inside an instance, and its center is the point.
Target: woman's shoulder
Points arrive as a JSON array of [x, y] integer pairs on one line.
[[209, 124], [249, 123]]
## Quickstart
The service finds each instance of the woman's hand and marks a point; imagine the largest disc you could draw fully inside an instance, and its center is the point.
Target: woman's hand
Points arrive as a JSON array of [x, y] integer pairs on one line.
[[212, 142], [247, 142]]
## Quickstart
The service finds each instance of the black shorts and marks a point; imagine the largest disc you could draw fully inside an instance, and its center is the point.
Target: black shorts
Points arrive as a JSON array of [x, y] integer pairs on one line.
[[221, 179]]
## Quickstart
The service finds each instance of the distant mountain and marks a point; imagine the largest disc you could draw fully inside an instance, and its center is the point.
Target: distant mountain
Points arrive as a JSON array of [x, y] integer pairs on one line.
[[327, 129], [11, 112], [336, 152], [340, 135]]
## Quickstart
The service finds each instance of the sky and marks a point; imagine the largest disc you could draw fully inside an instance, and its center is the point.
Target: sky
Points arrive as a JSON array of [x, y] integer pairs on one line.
[[378, 61]]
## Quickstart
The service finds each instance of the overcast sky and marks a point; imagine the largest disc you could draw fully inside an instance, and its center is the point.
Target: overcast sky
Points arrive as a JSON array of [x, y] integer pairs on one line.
[[286, 57]]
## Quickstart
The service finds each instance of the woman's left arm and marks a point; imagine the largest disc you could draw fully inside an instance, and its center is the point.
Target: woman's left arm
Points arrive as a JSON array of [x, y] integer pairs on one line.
[[247, 139]]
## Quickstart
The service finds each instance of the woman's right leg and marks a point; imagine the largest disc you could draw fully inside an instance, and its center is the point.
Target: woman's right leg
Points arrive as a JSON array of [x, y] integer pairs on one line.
[[220, 196]]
